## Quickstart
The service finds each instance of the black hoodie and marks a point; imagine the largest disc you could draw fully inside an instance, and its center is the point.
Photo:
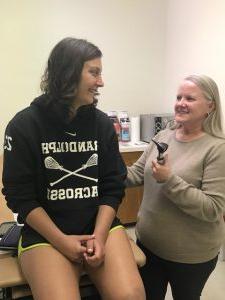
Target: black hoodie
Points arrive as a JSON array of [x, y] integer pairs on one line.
[[68, 169]]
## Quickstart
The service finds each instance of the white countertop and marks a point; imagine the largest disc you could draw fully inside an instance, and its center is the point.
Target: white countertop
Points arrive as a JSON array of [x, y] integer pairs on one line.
[[132, 147]]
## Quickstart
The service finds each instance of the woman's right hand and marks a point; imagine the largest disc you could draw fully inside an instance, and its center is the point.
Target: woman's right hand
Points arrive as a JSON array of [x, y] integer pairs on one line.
[[161, 172], [73, 246]]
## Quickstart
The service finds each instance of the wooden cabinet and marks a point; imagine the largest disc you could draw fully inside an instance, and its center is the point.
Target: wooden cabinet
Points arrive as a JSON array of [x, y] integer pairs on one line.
[[131, 202]]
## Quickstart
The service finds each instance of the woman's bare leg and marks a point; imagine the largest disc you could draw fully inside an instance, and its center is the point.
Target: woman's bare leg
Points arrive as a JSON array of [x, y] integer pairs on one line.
[[50, 274], [118, 278]]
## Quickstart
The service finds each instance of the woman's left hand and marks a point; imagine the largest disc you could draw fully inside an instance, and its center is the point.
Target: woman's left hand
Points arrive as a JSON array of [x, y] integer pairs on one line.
[[161, 172], [94, 256]]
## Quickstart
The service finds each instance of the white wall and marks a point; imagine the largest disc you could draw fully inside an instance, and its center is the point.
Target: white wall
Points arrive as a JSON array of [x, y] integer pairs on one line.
[[195, 43], [148, 47], [129, 32]]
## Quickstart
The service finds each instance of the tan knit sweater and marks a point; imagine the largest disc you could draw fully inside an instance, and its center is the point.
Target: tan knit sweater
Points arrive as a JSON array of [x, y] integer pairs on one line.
[[182, 219]]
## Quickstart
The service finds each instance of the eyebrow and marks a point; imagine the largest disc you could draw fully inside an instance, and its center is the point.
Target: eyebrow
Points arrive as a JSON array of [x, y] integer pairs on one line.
[[187, 95], [94, 67]]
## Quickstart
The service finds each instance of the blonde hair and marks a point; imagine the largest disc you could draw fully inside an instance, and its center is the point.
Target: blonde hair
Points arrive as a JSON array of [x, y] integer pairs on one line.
[[213, 123]]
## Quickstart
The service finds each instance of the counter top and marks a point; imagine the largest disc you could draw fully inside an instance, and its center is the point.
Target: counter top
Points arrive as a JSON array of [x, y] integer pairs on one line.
[[132, 147]]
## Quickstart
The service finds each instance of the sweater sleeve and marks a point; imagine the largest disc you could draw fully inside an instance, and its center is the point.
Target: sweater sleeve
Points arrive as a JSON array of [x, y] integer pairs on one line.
[[135, 175], [208, 202], [112, 170], [18, 172]]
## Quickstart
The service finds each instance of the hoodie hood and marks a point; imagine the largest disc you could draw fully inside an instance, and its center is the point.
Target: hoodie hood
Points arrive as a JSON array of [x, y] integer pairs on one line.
[[57, 112]]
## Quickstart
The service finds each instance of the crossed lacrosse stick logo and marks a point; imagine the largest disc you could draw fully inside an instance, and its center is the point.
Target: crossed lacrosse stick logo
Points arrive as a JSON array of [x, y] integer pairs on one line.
[[51, 163]]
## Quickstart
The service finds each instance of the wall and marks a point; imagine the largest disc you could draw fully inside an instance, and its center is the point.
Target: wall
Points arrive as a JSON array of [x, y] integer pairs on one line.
[[148, 47], [129, 32], [195, 43]]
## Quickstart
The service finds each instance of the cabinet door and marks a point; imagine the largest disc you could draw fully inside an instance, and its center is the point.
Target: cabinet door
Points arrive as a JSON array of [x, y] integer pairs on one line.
[[131, 202]]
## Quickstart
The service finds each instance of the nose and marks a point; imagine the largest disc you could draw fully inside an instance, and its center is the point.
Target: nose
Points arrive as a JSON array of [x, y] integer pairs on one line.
[[100, 81], [182, 102]]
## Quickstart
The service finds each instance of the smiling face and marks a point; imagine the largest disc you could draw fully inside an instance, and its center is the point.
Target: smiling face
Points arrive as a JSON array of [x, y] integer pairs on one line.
[[191, 107], [90, 81]]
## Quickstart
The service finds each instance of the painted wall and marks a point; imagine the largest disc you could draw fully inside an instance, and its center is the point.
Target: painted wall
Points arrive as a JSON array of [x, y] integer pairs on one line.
[[129, 32], [195, 44], [148, 47]]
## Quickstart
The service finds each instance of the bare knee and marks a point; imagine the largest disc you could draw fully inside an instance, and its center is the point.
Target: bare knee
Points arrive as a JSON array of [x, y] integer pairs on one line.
[[134, 292]]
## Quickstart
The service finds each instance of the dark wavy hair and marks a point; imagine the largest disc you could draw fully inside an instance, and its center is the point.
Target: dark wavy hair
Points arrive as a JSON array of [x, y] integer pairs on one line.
[[62, 74]]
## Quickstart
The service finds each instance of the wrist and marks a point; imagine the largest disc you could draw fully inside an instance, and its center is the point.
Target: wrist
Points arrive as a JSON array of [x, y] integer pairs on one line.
[[101, 235], [57, 239]]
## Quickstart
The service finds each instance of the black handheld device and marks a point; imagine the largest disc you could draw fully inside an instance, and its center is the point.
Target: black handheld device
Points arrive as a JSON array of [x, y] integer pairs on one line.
[[162, 147]]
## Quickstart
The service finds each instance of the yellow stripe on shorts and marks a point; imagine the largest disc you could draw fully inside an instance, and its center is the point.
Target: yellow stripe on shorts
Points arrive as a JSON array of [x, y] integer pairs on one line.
[[21, 249]]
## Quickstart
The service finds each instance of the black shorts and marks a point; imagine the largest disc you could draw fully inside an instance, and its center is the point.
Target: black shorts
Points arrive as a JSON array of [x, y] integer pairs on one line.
[[31, 239]]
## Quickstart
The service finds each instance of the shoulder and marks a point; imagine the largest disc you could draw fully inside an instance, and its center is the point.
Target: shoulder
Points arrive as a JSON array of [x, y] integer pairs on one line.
[[24, 121], [105, 129], [215, 144], [20, 117], [211, 149], [103, 120], [24, 116], [215, 140], [101, 116]]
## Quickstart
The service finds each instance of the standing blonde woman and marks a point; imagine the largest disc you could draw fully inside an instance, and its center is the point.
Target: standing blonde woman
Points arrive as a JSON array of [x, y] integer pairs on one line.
[[180, 223]]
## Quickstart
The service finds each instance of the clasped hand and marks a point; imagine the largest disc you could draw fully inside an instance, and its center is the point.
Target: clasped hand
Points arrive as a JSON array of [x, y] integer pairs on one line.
[[161, 172], [79, 248], [95, 252]]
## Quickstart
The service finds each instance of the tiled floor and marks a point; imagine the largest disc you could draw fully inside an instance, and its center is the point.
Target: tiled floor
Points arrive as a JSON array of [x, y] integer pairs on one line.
[[215, 286]]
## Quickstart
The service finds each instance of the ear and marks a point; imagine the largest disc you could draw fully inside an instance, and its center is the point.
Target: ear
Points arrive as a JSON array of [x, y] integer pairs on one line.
[[212, 106]]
